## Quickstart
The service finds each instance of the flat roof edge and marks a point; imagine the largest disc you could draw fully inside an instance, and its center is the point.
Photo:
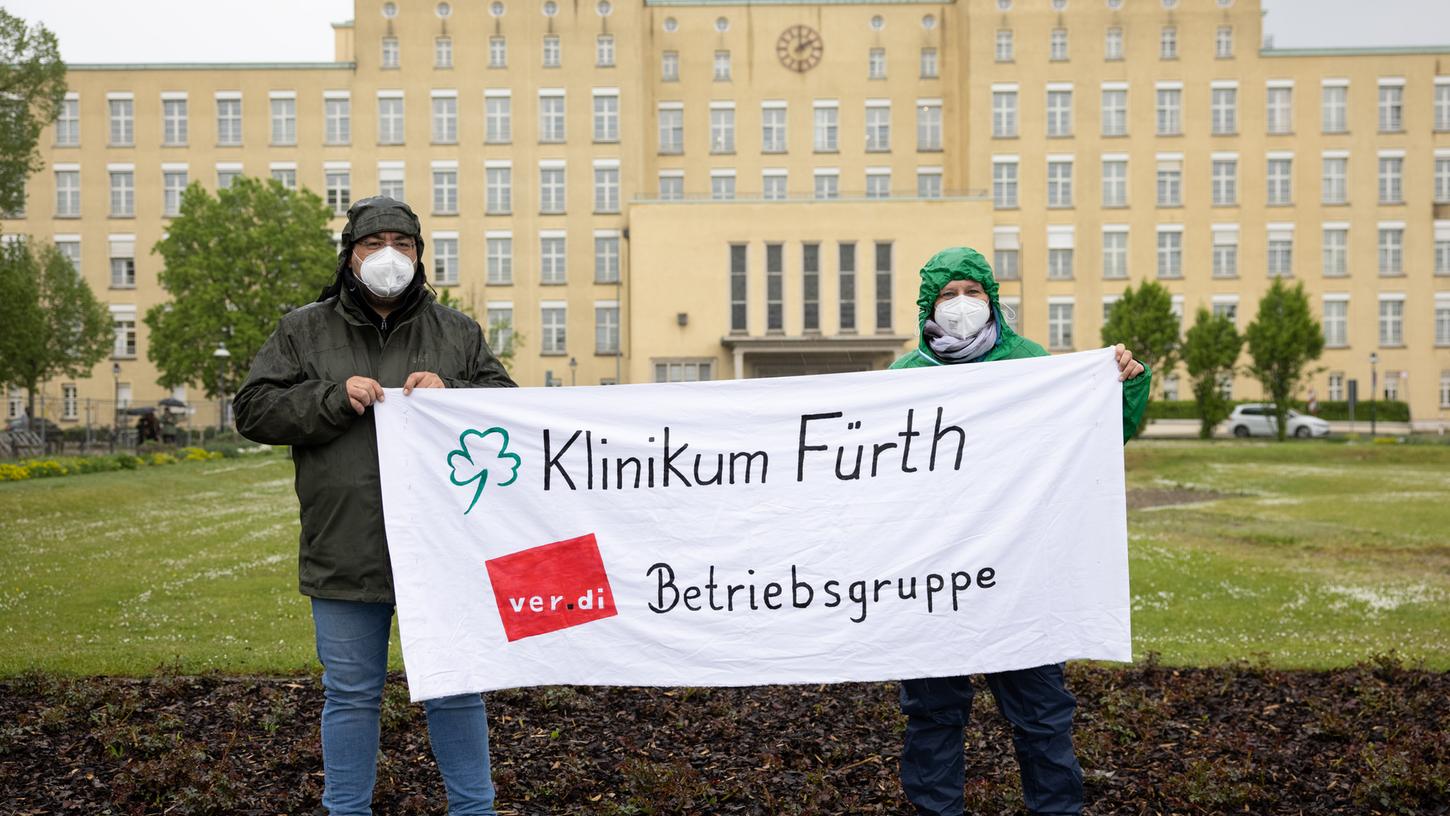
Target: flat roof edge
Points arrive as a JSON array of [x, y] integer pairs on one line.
[[1351, 51], [211, 66]]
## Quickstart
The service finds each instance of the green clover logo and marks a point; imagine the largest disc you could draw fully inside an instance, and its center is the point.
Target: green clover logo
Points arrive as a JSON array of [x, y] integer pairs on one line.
[[476, 455]]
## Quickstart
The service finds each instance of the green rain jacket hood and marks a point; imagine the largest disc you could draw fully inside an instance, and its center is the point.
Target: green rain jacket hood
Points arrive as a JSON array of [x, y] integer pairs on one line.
[[965, 263]]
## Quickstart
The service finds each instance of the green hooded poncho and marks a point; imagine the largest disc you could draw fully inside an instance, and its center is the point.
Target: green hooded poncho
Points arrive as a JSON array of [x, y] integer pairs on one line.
[[965, 263]]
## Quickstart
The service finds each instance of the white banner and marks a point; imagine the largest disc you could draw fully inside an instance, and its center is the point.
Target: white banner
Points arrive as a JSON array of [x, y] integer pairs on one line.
[[844, 527]]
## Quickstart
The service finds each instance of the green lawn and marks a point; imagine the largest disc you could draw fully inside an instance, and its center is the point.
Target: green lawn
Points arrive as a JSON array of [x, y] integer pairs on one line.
[[1312, 555]]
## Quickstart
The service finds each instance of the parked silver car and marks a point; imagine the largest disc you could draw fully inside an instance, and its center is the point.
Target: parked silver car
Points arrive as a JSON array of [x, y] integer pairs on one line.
[[1257, 419]]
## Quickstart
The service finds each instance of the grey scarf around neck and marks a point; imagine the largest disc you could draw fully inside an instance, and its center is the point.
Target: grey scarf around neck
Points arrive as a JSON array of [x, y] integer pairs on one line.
[[957, 349]]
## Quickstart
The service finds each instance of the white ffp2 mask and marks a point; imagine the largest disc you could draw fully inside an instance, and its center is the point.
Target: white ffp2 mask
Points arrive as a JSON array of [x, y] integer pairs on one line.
[[386, 273], [963, 316]]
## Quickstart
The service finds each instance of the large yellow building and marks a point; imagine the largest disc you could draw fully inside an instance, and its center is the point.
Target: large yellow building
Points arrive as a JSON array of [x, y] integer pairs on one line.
[[681, 189]]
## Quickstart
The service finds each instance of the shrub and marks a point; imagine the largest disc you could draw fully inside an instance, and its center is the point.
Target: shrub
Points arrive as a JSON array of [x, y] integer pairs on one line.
[[13, 473], [199, 455], [160, 459], [126, 461], [45, 468]]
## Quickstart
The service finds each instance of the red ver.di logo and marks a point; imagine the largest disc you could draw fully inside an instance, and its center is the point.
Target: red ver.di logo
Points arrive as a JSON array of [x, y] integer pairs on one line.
[[551, 587]]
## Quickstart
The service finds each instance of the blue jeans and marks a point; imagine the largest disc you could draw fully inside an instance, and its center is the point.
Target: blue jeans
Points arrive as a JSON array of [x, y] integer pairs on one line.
[[1037, 704], [352, 643]]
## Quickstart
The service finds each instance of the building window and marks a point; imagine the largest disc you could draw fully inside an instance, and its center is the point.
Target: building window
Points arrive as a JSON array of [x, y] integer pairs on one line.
[[1224, 111], [604, 51], [811, 287], [774, 287], [1059, 262], [498, 119], [443, 52], [1003, 51], [1115, 254], [1280, 181], [772, 128], [928, 184], [551, 189], [1168, 43], [773, 185], [1057, 45], [390, 120], [284, 120], [672, 129], [606, 328], [1223, 42], [1281, 253], [928, 126], [391, 177], [498, 189], [670, 66], [551, 116], [1336, 251], [606, 118], [1224, 182], [71, 249], [1170, 253], [1170, 182], [1004, 113], [1442, 322], [1115, 182], [1445, 389], [1335, 108], [173, 184], [390, 52], [686, 371], [1004, 183], [1391, 180], [498, 52], [67, 193], [672, 186], [1059, 326], [1442, 248], [69, 403], [876, 64], [928, 63], [737, 288], [1392, 251], [1392, 323], [606, 259], [878, 184], [1442, 104], [846, 283], [123, 194], [883, 287], [1115, 111], [1336, 386], [445, 260], [1059, 182], [722, 128], [229, 121], [1059, 112], [123, 124], [500, 327], [553, 259], [124, 325], [1113, 44], [1392, 107], [552, 326], [722, 185], [339, 191], [552, 51], [878, 128], [825, 130], [722, 66], [173, 122], [337, 120], [1280, 109], [445, 120], [1442, 179], [606, 189], [68, 123], [445, 191], [1226, 253], [1336, 180], [123, 263], [499, 259], [1170, 107]]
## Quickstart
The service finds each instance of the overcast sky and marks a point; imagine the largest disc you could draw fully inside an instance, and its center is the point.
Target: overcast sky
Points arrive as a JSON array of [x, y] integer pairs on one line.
[[293, 31]]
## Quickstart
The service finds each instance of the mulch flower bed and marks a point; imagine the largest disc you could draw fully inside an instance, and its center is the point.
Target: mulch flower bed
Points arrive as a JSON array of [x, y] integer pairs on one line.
[[1374, 739]]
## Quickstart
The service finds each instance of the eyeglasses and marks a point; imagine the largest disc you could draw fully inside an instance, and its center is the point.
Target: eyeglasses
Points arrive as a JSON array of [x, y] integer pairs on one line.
[[400, 244]]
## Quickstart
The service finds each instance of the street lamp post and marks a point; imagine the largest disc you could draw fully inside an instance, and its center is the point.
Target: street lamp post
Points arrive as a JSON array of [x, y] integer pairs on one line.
[[116, 413], [1374, 360], [573, 366], [221, 355]]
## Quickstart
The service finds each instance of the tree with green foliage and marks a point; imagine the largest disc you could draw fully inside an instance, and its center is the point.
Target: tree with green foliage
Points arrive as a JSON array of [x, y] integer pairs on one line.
[[1210, 349], [1144, 322], [501, 329], [32, 89], [1283, 339], [50, 321], [236, 263]]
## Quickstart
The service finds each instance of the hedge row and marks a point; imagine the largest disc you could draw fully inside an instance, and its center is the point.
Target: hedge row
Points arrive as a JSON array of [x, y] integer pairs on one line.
[[1333, 410], [71, 466]]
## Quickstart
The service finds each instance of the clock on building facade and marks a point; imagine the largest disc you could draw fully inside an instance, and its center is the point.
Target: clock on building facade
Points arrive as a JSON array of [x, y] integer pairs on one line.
[[799, 48]]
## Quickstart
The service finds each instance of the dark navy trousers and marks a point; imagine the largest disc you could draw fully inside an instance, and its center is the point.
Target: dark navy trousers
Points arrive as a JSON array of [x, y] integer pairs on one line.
[[1037, 704]]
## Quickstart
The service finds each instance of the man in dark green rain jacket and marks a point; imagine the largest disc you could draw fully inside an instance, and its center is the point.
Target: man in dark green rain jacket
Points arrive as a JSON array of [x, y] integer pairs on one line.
[[312, 386], [960, 320]]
